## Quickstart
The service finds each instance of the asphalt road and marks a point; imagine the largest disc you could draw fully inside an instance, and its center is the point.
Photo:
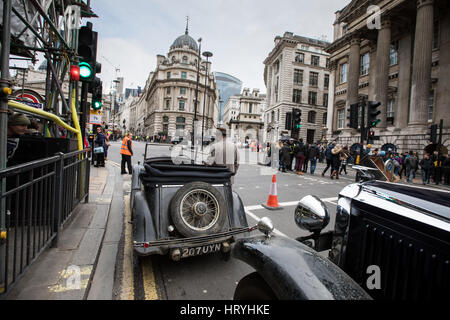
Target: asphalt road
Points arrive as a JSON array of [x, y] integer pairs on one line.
[[209, 277]]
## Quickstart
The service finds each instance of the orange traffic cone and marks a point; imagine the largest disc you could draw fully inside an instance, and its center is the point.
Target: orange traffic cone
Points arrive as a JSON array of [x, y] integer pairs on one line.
[[272, 202]]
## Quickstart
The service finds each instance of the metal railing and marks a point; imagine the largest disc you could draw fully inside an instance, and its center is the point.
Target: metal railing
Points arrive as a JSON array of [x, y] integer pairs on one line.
[[36, 200]]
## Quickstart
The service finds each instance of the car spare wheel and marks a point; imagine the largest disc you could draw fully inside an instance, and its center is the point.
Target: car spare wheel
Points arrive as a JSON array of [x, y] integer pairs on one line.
[[198, 209]]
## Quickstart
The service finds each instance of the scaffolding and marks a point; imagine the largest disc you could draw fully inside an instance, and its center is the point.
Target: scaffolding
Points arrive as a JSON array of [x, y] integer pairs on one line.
[[49, 28]]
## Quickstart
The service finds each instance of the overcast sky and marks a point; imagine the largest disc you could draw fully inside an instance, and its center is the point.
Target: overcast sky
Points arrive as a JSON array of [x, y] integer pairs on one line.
[[239, 33]]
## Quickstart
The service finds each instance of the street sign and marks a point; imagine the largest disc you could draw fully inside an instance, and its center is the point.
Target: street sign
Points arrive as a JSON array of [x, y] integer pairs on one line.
[[95, 117], [29, 97]]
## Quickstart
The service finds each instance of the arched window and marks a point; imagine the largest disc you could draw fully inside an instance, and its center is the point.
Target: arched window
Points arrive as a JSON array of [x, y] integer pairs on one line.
[[185, 59], [312, 117], [173, 59]]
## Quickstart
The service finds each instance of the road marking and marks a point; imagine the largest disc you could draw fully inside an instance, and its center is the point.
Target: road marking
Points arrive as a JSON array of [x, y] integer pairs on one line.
[[287, 204], [114, 163], [256, 218], [148, 278], [127, 292]]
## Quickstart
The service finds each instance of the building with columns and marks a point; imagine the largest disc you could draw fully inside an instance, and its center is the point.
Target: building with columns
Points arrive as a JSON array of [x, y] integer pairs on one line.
[[296, 76], [395, 52], [171, 92], [243, 115]]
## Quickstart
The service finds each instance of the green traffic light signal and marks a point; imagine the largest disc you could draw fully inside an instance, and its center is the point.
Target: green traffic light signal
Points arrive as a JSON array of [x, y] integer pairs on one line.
[[97, 105], [299, 126], [86, 71]]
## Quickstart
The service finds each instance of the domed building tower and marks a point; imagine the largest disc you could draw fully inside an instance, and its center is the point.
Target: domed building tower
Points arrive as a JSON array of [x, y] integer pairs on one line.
[[170, 95]]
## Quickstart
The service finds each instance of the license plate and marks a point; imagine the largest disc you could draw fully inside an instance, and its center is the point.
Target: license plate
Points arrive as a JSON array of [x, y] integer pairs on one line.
[[190, 252]]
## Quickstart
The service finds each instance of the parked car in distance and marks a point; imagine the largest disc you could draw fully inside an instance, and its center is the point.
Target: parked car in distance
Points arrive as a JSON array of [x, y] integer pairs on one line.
[[390, 242]]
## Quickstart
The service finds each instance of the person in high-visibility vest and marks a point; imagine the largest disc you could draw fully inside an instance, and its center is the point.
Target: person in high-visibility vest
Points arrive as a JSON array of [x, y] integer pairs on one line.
[[126, 151]]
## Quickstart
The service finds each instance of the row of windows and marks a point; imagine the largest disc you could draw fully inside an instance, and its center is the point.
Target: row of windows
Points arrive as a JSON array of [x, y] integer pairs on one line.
[[182, 90], [313, 78], [312, 115], [312, 97], [315, 60], [365, 63], [183, 75], [180, 123], [184, 60]]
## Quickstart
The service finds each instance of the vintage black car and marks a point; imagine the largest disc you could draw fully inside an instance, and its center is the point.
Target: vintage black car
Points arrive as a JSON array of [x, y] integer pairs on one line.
[[183, 209], [391, 241]]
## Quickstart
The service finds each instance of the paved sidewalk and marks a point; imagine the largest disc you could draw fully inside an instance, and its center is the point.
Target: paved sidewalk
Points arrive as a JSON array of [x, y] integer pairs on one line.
[[83, 264]]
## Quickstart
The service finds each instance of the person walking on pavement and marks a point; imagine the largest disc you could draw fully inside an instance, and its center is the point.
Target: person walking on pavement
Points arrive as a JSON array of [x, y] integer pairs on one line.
[[446, 169], [336, 161], [345, 155], [299, 152], [285, 156], [437, 166], [291, 153], [305, 163], [313, 155], [411, 163], [127, 152], [328, 157], [426, 165], [100, 142]]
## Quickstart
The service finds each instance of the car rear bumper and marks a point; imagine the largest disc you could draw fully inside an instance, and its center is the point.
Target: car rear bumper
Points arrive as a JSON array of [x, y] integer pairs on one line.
[[162, 247]]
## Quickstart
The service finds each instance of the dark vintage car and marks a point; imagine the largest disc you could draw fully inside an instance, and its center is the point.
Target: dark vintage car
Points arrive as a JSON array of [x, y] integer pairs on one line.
[[390, 241], [184, 210]]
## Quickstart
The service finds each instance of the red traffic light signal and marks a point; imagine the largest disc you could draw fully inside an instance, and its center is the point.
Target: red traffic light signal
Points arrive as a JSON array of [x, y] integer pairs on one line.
[[75, 73]]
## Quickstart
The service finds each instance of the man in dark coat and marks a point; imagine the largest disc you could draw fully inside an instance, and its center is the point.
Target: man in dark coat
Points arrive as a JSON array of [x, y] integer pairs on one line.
[[313, 155], [285, 157], [305, 163], [328, 157], [100, 141], [426, 165], [299, 152]]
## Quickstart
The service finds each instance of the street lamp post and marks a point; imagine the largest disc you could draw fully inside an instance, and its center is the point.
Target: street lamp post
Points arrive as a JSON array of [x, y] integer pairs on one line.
[[196, 92], [207, 54]]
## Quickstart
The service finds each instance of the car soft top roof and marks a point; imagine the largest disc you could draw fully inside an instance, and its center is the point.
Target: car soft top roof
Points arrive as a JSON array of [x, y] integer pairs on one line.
[[436, 202]]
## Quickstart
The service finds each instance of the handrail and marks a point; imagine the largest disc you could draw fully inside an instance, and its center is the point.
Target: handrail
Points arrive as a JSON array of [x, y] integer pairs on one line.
[[51, 116]]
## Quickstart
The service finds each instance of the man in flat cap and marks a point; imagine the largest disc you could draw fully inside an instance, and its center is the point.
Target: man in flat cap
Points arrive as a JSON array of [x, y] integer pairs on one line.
[[17, 126]]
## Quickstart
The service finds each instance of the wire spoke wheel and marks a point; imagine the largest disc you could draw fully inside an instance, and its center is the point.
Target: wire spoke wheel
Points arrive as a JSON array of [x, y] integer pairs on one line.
[[199, 209]]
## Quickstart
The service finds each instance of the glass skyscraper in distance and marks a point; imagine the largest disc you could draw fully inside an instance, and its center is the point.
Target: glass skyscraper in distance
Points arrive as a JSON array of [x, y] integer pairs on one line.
[[228, 86]]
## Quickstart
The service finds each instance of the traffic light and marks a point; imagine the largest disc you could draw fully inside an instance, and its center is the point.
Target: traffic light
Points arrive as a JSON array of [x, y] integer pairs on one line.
[[353, 116], [96, 89], [433, 133], [87, 50], [296, 119], [372, 136], [372, 120], [288, 122], [74, 72]]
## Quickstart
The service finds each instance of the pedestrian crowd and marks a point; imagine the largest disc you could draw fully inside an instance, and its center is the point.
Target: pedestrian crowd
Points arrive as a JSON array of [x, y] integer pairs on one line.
[[433, 167]]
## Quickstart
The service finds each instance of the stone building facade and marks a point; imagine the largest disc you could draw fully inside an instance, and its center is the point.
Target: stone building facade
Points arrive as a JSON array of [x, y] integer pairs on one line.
[[170, 95], [243, 116], [296, 76], [395, 52]]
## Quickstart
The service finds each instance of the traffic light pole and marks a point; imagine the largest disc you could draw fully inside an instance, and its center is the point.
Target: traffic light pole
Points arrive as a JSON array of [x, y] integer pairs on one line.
[[363, 127], [83, 108]]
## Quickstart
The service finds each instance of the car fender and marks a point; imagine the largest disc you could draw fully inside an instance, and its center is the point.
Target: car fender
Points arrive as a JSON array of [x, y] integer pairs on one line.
[[135, 182], [296, 272], [143, 226]]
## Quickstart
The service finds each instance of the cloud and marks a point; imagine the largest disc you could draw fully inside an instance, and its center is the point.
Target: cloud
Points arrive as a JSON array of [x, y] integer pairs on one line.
[[134, 62], [239, 33]]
